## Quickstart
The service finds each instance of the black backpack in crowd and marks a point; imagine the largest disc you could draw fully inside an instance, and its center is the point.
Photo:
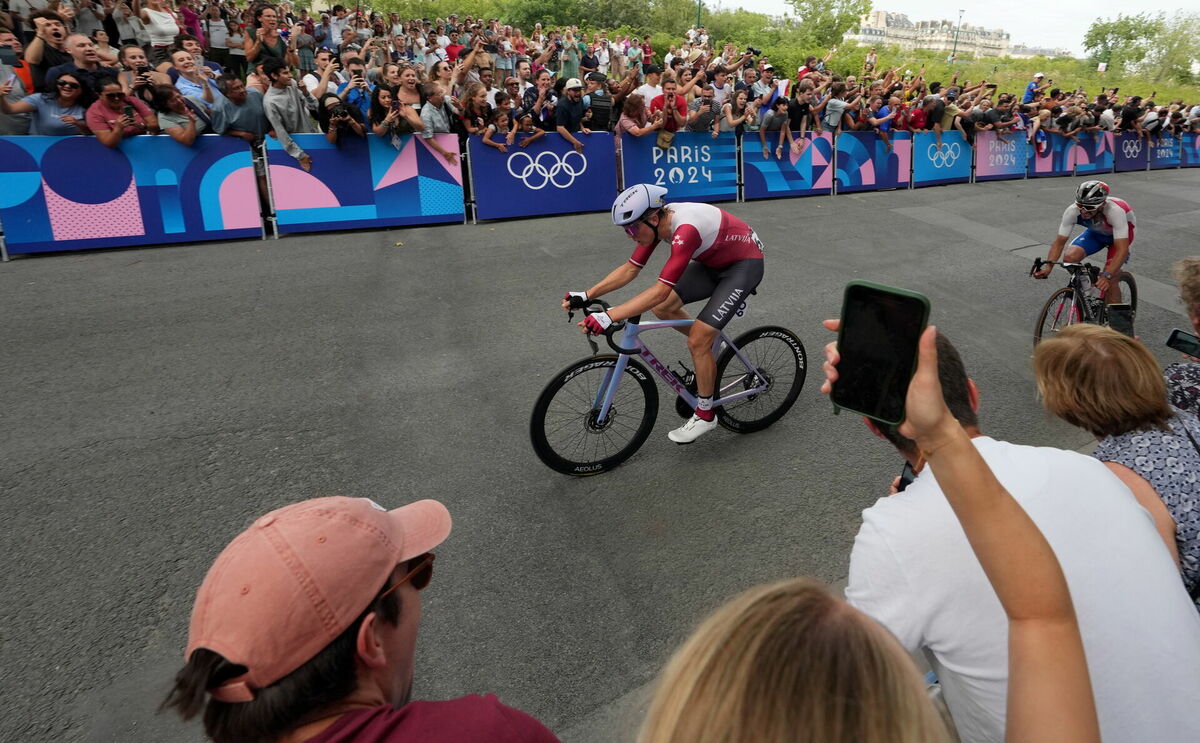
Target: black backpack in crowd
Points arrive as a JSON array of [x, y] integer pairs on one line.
[[601, 105]]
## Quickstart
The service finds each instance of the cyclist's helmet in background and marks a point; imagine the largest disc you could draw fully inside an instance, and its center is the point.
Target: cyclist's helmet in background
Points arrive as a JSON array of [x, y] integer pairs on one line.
[[1091, 194], [636, 201]]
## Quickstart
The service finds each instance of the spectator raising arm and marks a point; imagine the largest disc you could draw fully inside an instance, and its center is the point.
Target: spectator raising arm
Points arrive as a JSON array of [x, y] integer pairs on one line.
[[1049, 691]]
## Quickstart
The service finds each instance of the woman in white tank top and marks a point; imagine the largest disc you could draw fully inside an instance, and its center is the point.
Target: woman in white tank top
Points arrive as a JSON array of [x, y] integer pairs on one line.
[[162, 25]]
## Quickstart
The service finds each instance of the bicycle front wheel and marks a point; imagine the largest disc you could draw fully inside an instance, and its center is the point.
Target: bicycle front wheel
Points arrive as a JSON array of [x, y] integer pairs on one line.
[[1063, 308], [779, 360], [565, 429]]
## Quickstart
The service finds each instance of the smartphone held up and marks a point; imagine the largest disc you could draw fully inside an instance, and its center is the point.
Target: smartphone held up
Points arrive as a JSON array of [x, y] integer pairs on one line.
[[877, 342]]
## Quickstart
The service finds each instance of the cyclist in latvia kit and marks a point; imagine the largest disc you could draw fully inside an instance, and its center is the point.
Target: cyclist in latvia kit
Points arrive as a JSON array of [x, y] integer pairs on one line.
[[714, 256]]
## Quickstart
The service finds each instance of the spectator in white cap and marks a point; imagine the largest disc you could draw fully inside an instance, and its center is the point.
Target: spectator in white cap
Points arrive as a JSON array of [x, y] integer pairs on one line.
[[571, 113], [1034, 87], [305, 629]]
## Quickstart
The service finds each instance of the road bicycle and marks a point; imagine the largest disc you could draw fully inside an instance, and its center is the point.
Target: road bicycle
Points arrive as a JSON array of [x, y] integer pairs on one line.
[[597, 412], [1079, 300]]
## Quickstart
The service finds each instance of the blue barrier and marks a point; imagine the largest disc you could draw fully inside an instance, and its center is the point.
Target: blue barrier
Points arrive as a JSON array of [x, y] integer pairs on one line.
[[808, 174], [1093, 154], [1051, 156], [364, 182], [1130, 152], [73, 193], [1001, 157], [696, 167], [934, 165], [1191, 150], [546, 177], [1164, 152], [864, 162]]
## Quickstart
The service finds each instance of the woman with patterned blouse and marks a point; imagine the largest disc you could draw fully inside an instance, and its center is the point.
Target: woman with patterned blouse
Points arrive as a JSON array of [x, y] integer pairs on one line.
[[1183, 377], [1110, 385]]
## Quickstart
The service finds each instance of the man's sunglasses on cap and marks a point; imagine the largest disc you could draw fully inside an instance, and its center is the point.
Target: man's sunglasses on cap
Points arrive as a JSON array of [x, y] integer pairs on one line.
[[420, 572]]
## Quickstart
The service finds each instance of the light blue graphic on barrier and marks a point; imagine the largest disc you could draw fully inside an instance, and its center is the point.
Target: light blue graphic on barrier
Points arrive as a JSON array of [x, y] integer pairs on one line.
[[864, 162], [696, 167], [1191, 150], [1164, 152], [808, 174], [1093, 153], [365, 182], [73, 193], [1051, 156], [934, 165], [1001, 157]]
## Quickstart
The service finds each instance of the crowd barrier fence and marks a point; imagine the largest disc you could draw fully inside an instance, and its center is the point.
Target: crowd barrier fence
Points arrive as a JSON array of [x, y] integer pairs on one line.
[[73, 193]]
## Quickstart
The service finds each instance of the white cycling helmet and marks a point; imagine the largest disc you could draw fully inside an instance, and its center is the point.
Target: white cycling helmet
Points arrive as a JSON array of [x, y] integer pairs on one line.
[[636, 201]]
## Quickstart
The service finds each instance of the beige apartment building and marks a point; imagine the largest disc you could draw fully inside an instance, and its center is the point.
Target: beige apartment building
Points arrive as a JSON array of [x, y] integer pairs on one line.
[[881, 27]]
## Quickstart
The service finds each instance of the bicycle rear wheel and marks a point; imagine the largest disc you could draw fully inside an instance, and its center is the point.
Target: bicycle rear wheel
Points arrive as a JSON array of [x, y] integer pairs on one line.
[[564, 429], [1063, 308], [779, 359]]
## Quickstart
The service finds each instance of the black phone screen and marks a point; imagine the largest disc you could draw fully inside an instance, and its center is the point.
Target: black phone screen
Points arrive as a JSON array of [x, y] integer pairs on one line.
[[878, 347], [1184, 342]]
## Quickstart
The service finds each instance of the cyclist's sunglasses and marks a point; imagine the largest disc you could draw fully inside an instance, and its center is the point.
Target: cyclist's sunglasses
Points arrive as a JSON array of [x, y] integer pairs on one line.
[[632, 228], [1087, 211], [420, 572]]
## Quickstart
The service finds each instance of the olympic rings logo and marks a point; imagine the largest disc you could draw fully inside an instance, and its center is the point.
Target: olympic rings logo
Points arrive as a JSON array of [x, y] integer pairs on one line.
[[547, 168], [944, 156], [1132, 147]]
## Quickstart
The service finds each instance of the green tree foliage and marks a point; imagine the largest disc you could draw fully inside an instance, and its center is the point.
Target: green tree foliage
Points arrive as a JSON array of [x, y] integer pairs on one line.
[[1124, 41], [1177, 48], [824, 22]]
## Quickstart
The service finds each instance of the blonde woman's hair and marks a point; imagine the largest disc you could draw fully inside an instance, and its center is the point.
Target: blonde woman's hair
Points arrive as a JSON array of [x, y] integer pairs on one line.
[[1101, 380], [1187, 275], [790, 663]]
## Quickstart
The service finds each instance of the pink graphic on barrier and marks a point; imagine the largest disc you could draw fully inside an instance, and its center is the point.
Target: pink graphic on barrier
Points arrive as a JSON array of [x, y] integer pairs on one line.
[[902, 148], [295, 189], [866, 171], [238, 211], [402, 168], [71, 220], [450, 144], [405, 165], [825, 180]]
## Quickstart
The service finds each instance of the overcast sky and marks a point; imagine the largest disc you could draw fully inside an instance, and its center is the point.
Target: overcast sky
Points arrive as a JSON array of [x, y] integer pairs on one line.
[[1053, 23]]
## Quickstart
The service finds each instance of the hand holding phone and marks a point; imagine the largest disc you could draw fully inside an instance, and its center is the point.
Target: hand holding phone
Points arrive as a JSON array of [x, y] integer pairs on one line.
[[1185, 343], [877, 346]]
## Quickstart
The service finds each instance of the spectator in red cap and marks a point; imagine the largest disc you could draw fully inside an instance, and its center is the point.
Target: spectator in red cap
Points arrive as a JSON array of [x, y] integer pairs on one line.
[[305, 629]]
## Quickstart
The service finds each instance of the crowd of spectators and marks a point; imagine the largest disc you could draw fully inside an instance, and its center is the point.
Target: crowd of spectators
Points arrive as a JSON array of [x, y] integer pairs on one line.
[[487, 76]]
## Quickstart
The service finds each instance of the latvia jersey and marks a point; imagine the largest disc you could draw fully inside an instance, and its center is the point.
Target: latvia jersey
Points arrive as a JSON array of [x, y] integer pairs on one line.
[[1115, 220], [705, 234]]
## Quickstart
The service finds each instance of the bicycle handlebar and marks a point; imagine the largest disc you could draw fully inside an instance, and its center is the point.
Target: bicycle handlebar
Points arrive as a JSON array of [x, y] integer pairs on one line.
[[1039, 262], [591, 306]]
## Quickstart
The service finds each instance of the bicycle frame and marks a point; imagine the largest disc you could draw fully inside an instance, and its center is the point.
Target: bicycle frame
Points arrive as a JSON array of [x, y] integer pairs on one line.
[[631, 338]]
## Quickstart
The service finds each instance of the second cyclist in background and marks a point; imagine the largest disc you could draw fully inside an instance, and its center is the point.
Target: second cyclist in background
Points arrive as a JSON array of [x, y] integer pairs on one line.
[[1108, 222], [714, 256]]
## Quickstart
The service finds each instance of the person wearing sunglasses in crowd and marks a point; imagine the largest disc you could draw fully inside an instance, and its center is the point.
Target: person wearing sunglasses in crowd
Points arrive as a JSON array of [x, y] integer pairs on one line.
[[305, 629], [57, 111], [117, 115], [1108, 223]]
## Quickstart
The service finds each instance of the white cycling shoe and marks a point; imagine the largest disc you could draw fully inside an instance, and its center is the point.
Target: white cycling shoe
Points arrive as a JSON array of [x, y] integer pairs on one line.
[[692, 430]]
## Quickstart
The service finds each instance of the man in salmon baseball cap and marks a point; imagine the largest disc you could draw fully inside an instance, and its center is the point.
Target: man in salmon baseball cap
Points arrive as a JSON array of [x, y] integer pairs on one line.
[[305, 629]]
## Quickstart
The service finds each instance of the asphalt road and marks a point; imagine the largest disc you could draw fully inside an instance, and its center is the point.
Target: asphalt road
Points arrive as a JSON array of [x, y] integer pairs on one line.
[[155, 401]]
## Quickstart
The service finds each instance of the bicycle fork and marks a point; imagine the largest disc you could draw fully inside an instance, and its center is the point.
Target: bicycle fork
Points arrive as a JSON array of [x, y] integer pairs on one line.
[[608, 388]]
